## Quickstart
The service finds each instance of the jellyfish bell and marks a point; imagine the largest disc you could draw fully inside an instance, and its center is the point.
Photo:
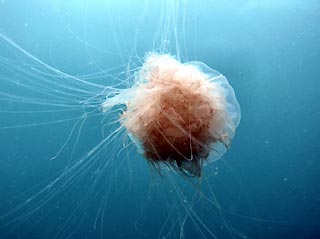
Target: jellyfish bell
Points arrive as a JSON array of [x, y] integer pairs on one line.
[[183, 116]]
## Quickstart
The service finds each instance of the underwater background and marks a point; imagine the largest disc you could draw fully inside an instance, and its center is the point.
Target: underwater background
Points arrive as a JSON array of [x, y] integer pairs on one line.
[[266, 186]]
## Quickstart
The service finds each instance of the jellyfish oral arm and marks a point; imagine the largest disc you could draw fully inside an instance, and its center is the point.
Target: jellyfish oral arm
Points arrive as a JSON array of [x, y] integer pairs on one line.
[[123, 97], [110, 102]]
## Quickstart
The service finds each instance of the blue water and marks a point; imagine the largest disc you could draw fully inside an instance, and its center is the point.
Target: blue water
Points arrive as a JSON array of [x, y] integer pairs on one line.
[[265, 186]]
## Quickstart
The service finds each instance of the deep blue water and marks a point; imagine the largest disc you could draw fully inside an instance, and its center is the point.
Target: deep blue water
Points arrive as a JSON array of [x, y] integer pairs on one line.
[[266, 185]]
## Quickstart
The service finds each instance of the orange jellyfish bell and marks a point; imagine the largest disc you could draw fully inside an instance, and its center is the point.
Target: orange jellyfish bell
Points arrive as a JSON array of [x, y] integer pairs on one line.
[[180, 115]]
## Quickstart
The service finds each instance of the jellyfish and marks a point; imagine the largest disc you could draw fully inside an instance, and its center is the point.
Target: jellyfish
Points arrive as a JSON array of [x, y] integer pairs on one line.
[[180, 115]]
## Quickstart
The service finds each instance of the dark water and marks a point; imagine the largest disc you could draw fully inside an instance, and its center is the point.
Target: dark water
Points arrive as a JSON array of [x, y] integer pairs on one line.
[[267, 184]]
